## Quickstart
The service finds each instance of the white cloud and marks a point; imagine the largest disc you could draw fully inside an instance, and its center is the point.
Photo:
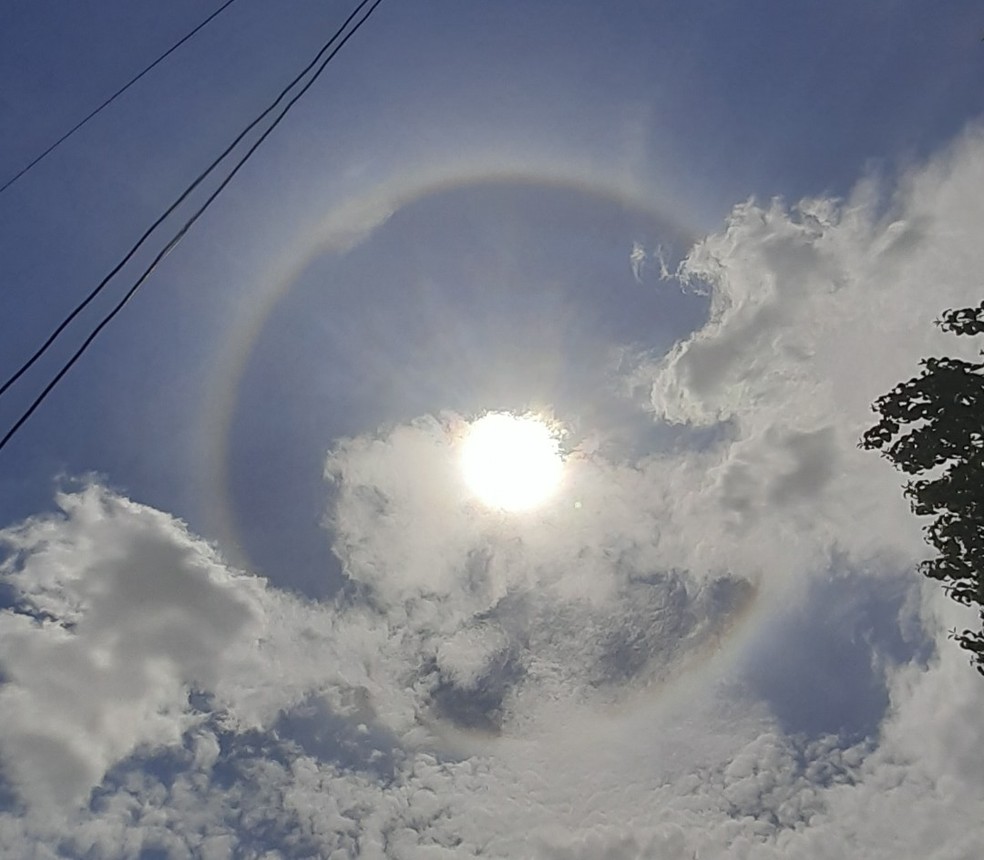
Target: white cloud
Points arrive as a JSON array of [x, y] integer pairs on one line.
[[567, 602], [120, 612], [638, 258], [816, 311], [563, 684]]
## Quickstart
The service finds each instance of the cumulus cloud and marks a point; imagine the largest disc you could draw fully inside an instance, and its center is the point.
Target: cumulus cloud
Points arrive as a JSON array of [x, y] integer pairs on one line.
[[816, 310], [119, 612], [602, 677], [497, 612]]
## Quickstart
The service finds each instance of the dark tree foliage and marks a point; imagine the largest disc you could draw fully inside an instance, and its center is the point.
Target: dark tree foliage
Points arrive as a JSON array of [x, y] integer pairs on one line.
[[932, 427]]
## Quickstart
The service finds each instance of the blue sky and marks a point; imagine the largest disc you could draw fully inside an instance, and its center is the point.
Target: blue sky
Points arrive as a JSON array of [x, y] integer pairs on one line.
[[700, 238], [704, 107]]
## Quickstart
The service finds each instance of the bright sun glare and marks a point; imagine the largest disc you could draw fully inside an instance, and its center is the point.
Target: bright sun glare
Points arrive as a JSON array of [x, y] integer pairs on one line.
[[511, 462]]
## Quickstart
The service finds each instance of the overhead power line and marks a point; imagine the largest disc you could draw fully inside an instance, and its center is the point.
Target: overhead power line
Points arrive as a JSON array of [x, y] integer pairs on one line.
[[107, 318], [113, 97], [82, 305]]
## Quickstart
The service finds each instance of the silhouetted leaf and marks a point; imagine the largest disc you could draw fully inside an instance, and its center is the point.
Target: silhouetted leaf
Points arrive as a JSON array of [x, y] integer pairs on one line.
[[932, 426]]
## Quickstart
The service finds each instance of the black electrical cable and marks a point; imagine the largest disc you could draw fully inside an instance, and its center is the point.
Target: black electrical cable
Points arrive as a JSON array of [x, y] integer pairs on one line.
[[81, 306], [113, 97], [184, 229]]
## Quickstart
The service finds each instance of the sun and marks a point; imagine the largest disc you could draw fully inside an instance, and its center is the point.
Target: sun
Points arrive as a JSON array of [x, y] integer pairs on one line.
[[511, 462]]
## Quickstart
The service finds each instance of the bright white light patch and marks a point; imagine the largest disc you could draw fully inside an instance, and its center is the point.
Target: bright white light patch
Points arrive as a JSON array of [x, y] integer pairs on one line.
[[511, 462]]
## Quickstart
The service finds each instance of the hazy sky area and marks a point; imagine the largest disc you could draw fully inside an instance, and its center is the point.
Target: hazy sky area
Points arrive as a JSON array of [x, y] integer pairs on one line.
[[250, 607]]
